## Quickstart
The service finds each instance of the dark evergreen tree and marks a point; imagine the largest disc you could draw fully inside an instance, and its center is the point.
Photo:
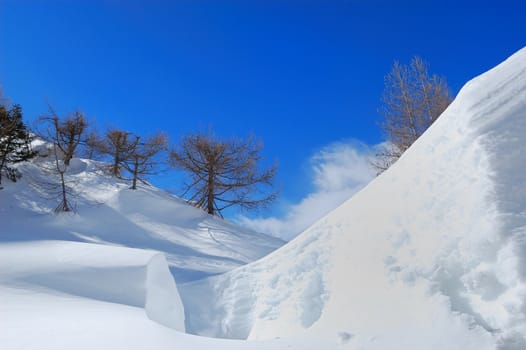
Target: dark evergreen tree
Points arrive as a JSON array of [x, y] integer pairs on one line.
[[14, 140]]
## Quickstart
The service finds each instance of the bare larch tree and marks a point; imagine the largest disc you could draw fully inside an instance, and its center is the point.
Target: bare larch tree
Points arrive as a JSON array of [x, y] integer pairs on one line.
[[412, 100], [224, 173], [70, 132], [64, 135], [141, 160], [119, 145], [92, 146]]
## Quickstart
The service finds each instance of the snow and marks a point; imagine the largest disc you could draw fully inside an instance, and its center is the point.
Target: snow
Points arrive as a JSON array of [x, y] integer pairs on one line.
[[430, 255]]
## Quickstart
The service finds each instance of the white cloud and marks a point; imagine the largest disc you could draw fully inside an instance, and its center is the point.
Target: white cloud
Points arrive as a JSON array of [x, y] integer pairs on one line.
[[339, 170]]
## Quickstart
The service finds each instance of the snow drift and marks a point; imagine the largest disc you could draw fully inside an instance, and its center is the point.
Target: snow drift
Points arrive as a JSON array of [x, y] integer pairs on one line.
[[72, 295], [132, 277], [430, 255]]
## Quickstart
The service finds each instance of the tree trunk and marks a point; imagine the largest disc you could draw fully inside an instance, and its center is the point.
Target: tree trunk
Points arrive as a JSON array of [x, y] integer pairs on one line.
[[135, 173], [115, 167], [67, 158], [65, 206], [210, 190], [4, 157], [2, 167]]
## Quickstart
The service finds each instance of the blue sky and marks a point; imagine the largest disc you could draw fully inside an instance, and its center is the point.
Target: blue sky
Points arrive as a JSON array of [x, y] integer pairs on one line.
[[305, 76]]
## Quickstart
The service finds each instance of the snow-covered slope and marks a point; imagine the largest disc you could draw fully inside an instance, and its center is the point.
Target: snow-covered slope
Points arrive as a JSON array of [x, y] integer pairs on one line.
[[430, 255], [196, 244]]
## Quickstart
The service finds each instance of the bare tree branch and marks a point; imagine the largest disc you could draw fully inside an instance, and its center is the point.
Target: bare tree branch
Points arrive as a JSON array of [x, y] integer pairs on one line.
[[411, 102]]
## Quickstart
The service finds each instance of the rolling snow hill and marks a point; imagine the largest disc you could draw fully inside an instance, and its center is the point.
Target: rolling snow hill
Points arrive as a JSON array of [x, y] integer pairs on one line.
[[196, 244], [430, 255]]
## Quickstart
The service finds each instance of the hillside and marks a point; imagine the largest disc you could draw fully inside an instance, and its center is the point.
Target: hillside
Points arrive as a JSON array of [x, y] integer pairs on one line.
[[196, 244]]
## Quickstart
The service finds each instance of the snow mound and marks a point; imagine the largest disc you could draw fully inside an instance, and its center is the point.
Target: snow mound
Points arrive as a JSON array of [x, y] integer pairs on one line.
[[132, 277], [430, 255]]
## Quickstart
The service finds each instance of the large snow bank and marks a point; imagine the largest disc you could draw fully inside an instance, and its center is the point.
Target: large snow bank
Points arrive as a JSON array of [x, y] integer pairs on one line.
[[430, 255], [131, 277]]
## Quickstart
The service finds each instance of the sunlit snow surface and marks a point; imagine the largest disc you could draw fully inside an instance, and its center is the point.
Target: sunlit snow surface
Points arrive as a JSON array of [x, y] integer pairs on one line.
[[430, 255]]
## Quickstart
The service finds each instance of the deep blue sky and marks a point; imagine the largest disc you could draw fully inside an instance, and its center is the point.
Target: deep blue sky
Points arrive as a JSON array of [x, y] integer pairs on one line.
[[298, 74]]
